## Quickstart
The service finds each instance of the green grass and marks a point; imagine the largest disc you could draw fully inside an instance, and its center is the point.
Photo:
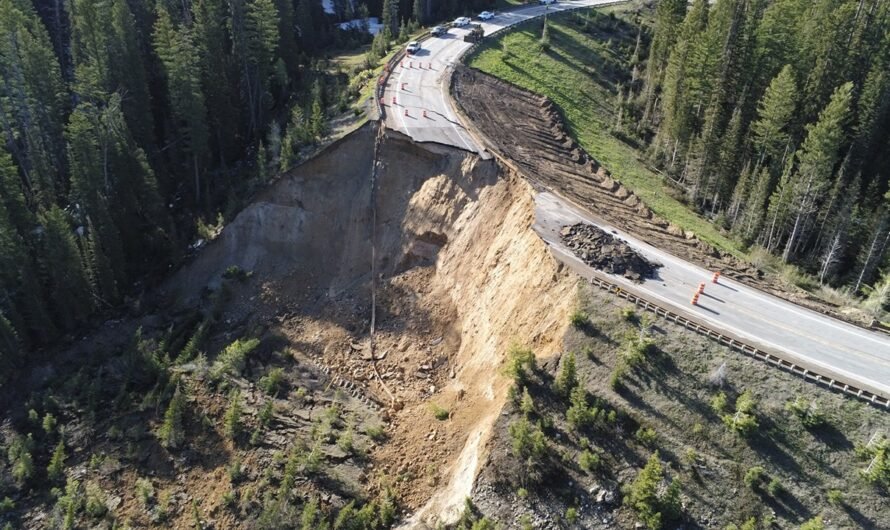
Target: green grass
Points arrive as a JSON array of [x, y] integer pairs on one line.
[[589, 55]]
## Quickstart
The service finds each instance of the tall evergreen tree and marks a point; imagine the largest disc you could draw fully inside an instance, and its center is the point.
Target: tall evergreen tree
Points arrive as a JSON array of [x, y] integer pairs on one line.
[[816, 161], [182, 66], [32, 100], [67, 284], [668, 17]]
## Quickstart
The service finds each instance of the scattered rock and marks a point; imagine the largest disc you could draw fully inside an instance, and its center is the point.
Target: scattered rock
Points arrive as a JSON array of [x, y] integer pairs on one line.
[[606, 252]]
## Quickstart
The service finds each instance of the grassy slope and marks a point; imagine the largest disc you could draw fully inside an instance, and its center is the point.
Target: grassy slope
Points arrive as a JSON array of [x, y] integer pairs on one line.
[[580, 73]]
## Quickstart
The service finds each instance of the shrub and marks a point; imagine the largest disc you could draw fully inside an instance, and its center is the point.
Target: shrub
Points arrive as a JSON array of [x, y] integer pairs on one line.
[[95, 501], [589, 461], [265, 415], [235, 272], [522, 493], [20, 460], [232, 423], [628, 314], [646, 436], [579, 319], [272, 382], [642, 495], [719, 403], [236, 472], [527, 404], [571, 515], [49, 423], [568, 376], [56, 468], [439, 413], [616, 378], [376, 433], [579, 415], [690, 457], [528, 441], [171, 433], [345, 441], [813, 524], [750, 524], [754, 477], [145, 492], [775, 487], [232, 359], [6, 505], [835, 497], [807, 412], [520, 363]]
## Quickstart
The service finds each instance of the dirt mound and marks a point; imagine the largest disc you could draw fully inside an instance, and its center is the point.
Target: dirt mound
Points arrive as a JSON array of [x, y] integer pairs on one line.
[[605, 252]]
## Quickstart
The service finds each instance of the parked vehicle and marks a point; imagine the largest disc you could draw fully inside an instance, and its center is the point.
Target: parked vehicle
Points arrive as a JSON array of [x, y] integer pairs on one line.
[[438, 31], [546, 2], [475, 34], [486, 15], [413, 47], [461, 22]]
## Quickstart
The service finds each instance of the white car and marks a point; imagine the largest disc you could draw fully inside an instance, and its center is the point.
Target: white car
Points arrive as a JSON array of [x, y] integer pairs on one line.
[[413, 47], [486, 15], [461, 22]]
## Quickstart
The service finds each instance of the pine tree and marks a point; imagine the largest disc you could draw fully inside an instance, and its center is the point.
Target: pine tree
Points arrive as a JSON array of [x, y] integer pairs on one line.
[[129, 71], [32, 100], [172, 431], [668, 17], [389, 16], [60, 263], [677, 128], [816, 160], [775, 113], [568, 376], [181, 61]]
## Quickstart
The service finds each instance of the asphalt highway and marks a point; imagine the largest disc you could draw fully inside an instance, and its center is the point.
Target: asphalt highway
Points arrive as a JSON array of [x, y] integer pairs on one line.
[[419, 84], [812, 340], [423, 110]]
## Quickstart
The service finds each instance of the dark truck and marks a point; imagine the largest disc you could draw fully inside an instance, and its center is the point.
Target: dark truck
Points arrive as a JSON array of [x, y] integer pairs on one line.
[[475, 34]]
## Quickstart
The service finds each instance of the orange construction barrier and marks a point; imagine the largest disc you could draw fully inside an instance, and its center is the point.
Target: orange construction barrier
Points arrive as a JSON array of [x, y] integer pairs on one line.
[[393, 100], [424, 113], [716, 276], [411, 64], [694, 299], [406, 111], [403, 85], [701, 287], [431, 66]]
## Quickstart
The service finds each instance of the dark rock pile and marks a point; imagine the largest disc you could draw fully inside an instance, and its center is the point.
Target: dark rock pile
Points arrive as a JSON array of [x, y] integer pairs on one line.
[[607, 253]]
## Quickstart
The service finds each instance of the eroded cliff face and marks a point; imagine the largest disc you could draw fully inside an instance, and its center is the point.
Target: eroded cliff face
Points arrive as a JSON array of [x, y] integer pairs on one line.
[[460, 277]]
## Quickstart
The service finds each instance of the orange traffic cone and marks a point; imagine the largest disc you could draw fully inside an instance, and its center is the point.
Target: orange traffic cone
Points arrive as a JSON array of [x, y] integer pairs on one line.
[[716, 276], [701, 287], [694, 299]]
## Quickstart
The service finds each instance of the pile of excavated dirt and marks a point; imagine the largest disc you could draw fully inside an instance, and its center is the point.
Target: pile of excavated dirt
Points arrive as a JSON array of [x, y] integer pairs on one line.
[[605, 252], [527, 129]]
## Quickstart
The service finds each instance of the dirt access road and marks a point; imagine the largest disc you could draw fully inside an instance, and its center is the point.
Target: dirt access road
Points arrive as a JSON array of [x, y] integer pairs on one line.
[[420, 83]]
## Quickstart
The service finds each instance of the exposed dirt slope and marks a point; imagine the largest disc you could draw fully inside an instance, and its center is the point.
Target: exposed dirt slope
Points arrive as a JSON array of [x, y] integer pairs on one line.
[[461, 277]]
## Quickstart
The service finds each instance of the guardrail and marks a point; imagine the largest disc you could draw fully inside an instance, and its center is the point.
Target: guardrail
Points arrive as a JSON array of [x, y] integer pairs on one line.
[[738, 345]]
